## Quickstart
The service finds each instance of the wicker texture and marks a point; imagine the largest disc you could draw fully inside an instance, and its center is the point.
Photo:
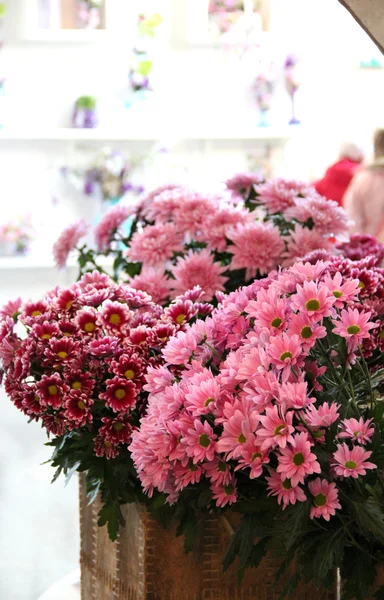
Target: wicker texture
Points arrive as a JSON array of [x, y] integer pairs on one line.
[[149, 563]]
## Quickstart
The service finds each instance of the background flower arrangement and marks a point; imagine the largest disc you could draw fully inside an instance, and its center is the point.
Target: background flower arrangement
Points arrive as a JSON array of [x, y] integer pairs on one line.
[[180, 238], [273, 407], [75, 361], [15, 237]]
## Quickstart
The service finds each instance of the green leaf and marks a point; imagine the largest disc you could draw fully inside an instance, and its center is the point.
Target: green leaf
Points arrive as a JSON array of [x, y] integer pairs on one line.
[[205, 498], [257, 553], [71, 471], [358, 574], [297, 523], [233, 549], [370, 518], [111, 515], [330, 549], [290, 587]]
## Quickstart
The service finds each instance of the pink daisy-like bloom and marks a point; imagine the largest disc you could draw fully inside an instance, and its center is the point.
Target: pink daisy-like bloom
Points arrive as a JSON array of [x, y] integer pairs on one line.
[[359, 431], [313, 373], [351, 463], [284, 490], [67, 299], [67, 242], [224, 493], [62, 351], [79, 381], [294, 395], [105, 447], [241, 184], [154, 283], [285, 352], [45, 331], [77, 409], [354, 326], [155, 244], [323, 415], [343, 292], [239, 428], [11, 308], [199, 442], [279, 194], [187, 474], [270, 310], [109, 224], [120, 394], [86, 320], [217, 225], [117, 430], [276, 428], [114, 315], [35, 312], [198, 268], [307, 330], [301, 241], [218, 471], [146, 202], [254, 458], [314, 300], [201, 399], [256, 247], [106, 346], [325, 499], [190, 215], [297, 461]]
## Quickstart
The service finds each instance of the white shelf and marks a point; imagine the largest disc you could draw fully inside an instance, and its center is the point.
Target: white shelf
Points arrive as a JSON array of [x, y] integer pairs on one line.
[[132, 134]]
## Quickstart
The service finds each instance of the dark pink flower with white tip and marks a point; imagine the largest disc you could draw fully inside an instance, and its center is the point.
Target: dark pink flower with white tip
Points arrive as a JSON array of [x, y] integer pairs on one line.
[[120, 395], [114, 316], [51, 390]]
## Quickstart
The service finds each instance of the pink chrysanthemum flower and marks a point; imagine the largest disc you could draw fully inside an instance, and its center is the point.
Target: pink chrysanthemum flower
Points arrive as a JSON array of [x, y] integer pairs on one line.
[[86, 320], [155, 244], [276, 429], [120, 394], [270, 310], [327, 215], [11, 308], [297, 461], [351, 463], [343, 292], [294, 395], [307, 330], [199, 442], [109, 224], [218, 471], [180, 348], [314, 300], [201, 399], [190, 215], [62, 351], [198, 269], [51, 390], [323, 415], [67, 242], [359, 431], [279, 194], [301, 241], [148, 202], [239, 428], [353, 325], [80, 381], [187, 474], [325, 499], [240, 185], [253, 458], [256, 247], [217, 225], [284, 490], [154, 283], [45, 331], [285, 352], [224, 493]]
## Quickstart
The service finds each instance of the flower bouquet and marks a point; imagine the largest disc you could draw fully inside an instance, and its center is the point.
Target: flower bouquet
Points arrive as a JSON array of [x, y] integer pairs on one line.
[[84, 113], [76, 362], [180, 238], [273, 408], [15, 237]]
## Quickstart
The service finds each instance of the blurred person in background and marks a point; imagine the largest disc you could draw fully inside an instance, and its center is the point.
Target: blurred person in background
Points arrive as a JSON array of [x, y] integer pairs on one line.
[[364, 199], [339, 175]]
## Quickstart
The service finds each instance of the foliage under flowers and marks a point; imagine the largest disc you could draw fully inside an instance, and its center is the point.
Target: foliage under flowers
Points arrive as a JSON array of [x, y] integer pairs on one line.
[[180, 238], [273, 406], [76, 360]]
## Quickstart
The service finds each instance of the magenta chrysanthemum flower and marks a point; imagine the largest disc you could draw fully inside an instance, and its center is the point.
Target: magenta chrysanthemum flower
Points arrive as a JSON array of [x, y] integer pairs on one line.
[[117, 430], [359, 431], [198, 269], [325, 499], [104, 447], [11, 308], [296, 461], [77, 408], [120, 394], [109, 224], [256, 247], [284, 490], [114, 315], [51, 390], [351, 463], [155, 244], [67, 242]]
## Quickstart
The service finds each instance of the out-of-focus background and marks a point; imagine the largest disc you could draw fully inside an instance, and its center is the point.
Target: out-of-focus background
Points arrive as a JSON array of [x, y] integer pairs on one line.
[[101, 100]]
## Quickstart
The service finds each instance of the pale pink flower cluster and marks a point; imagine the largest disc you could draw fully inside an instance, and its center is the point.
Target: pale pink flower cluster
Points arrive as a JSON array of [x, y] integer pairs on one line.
[[67, 241], [243, 395]]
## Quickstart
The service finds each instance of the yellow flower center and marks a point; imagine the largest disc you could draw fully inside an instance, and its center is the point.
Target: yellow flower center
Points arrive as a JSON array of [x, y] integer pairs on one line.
[[180, 318], [256, 455], [361, 285], [229, 489], [119, 394], [68, 305], [320, 500], [353, 329], [62, 354], [312, 304], [337, 293], [286, 355], [76, 385], [114, 319], [46, 336], [208, 401], [204, 440], [129, 374], [52, 390], [381, 334], [88, 327], [118, 426], [36, 313], [81, 405]]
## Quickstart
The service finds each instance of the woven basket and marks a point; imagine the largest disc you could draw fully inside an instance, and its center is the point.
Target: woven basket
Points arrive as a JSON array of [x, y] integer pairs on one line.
[[148, 563]]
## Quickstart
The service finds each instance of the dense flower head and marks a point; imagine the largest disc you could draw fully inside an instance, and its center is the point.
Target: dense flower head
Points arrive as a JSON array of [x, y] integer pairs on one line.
[[198, 269], [67, 241], [76, 359], [109, 224], [260, 391]]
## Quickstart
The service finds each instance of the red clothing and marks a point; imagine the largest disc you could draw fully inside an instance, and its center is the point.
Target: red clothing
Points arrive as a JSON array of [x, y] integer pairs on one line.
[[337, 179]]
